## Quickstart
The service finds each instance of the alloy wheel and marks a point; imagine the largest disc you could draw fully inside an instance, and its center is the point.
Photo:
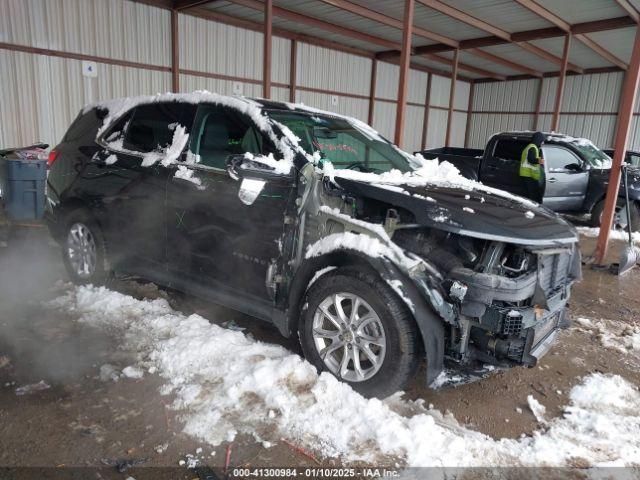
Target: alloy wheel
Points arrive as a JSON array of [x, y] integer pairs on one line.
[[81, 250], [349, 337]]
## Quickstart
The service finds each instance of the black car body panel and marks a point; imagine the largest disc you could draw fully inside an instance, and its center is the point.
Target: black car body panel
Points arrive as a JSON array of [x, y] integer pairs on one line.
[[568, 191], [478, 214], [462, 259]]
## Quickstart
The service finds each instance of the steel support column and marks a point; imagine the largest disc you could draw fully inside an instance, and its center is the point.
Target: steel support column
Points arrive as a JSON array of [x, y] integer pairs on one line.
[[266, 73], [625, 116], [469, 111], [536, 115], [175, 57], [405, 59], [452, 98], [555, 120], [427, 105], [372, 90], [293, 71]]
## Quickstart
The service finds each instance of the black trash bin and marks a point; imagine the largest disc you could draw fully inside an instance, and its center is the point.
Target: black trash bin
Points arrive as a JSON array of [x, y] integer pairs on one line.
[[23, 173]]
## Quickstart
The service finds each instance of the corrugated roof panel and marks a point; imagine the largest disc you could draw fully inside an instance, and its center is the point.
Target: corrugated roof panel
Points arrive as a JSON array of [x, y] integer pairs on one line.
[[579, 53], [504, 14], [518, 55], [343, 18], [424, 17], [618, 42], [480, 62], [583, 10]]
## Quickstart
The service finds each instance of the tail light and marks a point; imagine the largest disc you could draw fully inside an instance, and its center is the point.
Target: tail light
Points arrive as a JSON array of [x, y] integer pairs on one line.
[[53, 155]]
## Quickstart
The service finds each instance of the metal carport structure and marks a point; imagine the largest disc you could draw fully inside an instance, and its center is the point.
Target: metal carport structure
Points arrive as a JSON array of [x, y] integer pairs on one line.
[[501, 50]]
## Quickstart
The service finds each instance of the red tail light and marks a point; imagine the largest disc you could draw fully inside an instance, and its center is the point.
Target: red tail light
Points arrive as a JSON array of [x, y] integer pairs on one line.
[[52, 157]]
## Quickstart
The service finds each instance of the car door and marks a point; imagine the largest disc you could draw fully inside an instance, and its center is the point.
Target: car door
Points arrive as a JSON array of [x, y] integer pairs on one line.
[[215, 240], [501, 168], [131, 193], [566, 179]]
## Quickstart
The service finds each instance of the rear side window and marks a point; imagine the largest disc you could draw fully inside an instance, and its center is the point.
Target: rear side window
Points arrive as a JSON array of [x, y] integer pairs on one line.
[[85, 124], [509, 149], [152, 126]]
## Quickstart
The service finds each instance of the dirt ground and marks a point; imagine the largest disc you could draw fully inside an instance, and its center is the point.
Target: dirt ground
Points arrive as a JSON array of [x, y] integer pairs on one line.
[[82, 421]]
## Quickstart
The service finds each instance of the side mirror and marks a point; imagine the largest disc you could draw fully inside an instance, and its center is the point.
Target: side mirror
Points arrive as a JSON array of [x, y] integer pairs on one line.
[[240, 167], [574, 167]]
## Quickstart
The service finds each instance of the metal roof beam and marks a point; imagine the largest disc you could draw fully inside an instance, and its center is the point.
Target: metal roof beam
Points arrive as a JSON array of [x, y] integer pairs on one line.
[[314, 22], [630, 9], [464, 66], [551, 17], [504, 62], [536, 34], [389, 21], [604, 53], [542, 53], [184, 4], [464, 17]]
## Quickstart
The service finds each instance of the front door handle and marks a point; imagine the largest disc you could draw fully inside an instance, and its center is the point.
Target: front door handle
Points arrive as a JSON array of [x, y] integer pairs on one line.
[[552, 180]]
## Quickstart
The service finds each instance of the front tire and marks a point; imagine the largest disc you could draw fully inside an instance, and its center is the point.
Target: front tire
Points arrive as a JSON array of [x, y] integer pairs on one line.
[[620, 218], [355, 327], [84, 250]]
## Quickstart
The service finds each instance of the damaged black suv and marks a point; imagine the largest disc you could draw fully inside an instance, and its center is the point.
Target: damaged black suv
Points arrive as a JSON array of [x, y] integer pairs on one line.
[[375, 258]]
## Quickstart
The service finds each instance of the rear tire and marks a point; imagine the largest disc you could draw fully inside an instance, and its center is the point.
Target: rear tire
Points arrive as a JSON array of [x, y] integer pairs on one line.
[[380, 341], [598, 209], [84, 250]]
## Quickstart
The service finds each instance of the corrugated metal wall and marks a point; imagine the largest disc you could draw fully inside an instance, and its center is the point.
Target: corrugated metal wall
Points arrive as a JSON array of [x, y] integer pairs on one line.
[[589, 108], [41, 94]]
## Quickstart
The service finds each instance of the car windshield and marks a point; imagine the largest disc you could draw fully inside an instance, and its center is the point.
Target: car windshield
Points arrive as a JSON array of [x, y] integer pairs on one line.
[[592, 154], [344, 144]]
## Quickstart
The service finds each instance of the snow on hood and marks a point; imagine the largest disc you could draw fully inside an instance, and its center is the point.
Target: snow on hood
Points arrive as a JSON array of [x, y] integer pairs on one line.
[[227, 383], [431, 172]]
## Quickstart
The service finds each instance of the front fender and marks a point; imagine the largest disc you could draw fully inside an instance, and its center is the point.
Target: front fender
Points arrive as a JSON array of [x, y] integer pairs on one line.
[[429, 323]]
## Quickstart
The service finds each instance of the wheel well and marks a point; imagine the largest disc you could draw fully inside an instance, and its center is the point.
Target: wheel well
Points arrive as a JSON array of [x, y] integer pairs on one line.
[[338, 259], [306, 272]]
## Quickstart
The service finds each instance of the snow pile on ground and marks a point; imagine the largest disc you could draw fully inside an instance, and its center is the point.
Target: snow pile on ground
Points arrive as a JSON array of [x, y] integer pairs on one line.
[[623, 337], [225, 383], [593, 232]]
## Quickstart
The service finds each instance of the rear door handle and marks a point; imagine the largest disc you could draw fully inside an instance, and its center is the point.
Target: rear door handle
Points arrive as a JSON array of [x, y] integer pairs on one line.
[[552, 180]]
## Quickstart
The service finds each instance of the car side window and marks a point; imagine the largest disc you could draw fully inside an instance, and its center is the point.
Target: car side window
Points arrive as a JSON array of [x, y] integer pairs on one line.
[[509, 149], [219, 132], [557, 158], [152, 126]]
